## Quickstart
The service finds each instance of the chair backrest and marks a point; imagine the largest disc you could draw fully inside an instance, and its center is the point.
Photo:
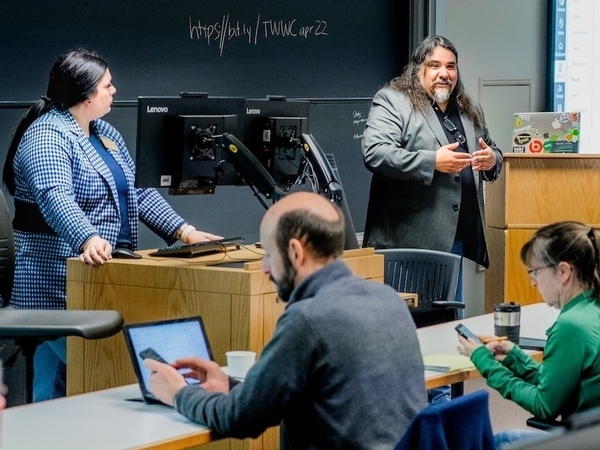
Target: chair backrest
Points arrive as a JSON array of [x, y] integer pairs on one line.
[[459, 424], [578, 431], [431, 274], [7, 252]]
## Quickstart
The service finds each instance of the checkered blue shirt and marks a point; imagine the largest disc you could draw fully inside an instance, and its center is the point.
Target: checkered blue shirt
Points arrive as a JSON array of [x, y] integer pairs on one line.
[[57, 168]]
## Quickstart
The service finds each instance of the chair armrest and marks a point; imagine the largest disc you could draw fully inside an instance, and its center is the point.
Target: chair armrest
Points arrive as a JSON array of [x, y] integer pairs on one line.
[[448, 305], [46, 325], [543, 424]]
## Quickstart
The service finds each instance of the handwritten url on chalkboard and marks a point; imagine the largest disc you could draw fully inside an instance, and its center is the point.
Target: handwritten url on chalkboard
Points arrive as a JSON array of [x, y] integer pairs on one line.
[[225, 30]]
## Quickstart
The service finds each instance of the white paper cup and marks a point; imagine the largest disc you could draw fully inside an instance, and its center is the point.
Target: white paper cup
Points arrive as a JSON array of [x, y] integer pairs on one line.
[[239, 363]]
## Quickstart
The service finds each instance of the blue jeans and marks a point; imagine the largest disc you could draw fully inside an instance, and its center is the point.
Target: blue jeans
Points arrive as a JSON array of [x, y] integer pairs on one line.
[[439, 395], [509, 436], [50, 370]]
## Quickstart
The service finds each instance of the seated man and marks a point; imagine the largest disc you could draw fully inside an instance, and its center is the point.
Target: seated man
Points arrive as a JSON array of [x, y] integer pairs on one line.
[[343, 369]]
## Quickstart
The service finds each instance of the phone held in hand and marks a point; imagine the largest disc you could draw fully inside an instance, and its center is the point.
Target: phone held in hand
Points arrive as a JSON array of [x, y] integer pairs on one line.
[[152, 354], [466, 333]]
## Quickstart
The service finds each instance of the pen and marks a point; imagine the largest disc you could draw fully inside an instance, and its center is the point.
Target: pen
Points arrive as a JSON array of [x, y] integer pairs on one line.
[[494, 338]]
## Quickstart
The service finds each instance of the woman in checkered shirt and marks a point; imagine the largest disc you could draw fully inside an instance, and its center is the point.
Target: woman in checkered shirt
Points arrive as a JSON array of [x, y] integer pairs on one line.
[[72, 179]]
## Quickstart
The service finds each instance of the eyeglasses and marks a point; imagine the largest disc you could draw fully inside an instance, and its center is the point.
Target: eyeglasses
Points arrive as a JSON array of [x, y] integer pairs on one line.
[[533, 272], [449, 125]]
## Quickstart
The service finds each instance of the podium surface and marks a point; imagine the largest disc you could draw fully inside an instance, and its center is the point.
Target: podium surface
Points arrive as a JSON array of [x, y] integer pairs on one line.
[[533, 191]]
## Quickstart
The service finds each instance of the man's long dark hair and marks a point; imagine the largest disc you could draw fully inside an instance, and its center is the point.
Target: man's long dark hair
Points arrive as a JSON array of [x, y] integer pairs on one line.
[[74, 78], [409, 81]]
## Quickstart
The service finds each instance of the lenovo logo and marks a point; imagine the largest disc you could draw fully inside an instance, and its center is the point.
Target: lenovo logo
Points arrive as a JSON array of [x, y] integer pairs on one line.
[[252, 111], [157, 109]]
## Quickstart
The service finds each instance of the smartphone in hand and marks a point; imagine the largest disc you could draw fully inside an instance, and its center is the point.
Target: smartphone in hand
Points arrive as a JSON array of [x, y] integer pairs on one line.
[[152, 354], [466, 333]]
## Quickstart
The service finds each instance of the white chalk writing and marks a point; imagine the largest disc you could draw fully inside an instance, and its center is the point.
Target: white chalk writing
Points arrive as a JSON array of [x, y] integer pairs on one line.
[[225, 29], [358, 120]]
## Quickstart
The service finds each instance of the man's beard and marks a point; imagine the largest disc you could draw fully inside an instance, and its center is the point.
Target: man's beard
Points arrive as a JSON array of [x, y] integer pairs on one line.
[[285, 285], [441, 95]]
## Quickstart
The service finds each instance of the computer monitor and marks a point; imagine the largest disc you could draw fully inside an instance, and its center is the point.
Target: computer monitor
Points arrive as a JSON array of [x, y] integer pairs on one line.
[[178, 143], [272, 129]]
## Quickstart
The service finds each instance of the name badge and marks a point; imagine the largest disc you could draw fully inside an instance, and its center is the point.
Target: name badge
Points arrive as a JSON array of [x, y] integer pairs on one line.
[[109, 144]]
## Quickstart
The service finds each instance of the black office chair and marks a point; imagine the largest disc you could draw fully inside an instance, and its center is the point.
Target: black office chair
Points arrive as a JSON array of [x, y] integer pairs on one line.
[[578, 431], [7, 252], [431, 274], [463, 423], [28, 327]]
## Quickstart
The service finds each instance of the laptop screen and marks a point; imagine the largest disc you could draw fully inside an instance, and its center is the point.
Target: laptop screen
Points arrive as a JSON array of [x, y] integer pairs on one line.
[[170, 339]]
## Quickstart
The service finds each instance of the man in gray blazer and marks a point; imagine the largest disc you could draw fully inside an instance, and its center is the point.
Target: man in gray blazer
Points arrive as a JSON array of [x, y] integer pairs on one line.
[[426, 143]]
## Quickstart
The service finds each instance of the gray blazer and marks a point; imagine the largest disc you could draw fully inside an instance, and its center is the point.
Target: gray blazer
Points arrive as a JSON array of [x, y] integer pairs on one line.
[[411, 204]]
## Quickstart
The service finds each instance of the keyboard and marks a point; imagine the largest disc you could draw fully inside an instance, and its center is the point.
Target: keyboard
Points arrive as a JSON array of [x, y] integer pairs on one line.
[[200, 248]]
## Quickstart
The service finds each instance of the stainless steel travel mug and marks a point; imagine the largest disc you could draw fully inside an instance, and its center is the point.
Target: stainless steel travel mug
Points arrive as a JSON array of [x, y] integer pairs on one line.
[[507, 320]]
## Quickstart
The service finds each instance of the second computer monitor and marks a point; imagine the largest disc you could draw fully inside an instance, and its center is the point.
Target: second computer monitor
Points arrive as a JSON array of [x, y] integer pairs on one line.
[[272, 130]]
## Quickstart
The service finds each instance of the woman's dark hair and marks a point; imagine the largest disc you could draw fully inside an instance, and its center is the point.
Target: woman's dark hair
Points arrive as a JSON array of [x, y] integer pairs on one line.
[[571, 242], [73, 79], [321, 237], [409, 82]]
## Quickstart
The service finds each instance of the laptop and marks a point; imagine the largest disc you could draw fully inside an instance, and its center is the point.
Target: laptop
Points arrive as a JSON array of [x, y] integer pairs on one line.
[[166, 339], [546, 132], [527, 343]]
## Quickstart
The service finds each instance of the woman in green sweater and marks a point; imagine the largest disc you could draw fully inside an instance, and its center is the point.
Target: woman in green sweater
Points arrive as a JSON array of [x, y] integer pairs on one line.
[[563, 262]]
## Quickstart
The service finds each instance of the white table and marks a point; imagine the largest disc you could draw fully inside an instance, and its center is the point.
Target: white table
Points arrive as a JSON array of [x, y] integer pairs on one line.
[[102, 420], [105, 420], [442, 339]]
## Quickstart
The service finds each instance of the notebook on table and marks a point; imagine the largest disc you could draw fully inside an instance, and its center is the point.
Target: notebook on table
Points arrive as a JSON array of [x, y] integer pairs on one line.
[[546, 132], [447, 362], [171, 339]]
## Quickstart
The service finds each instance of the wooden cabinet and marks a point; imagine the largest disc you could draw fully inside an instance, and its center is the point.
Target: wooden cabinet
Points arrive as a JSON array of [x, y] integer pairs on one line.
[[238, 305], [532, 191]]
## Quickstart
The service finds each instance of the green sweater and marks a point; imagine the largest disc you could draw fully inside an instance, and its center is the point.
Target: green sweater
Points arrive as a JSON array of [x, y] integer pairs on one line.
[[568, 378]]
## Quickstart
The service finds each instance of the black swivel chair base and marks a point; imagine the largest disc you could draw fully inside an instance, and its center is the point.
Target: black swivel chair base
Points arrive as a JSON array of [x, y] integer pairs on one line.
[[30, 327]]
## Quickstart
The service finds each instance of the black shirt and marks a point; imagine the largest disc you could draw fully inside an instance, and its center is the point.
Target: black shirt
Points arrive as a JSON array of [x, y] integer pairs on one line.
[[469, 209]]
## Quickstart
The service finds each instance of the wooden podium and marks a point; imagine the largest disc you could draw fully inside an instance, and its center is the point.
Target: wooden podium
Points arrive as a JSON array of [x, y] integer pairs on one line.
[[235, 299], [532, 191]]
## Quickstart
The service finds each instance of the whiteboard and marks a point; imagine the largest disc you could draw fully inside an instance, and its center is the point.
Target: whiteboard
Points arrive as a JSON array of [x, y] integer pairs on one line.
[[575, 58]]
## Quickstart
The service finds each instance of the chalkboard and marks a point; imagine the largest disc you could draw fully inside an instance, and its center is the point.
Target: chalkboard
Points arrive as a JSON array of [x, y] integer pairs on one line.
[[250, 48], [299, 49], [338, 125]]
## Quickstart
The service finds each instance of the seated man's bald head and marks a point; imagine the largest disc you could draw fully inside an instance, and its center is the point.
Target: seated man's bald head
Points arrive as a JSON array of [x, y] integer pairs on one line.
[[303, 230], [303, 201]]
